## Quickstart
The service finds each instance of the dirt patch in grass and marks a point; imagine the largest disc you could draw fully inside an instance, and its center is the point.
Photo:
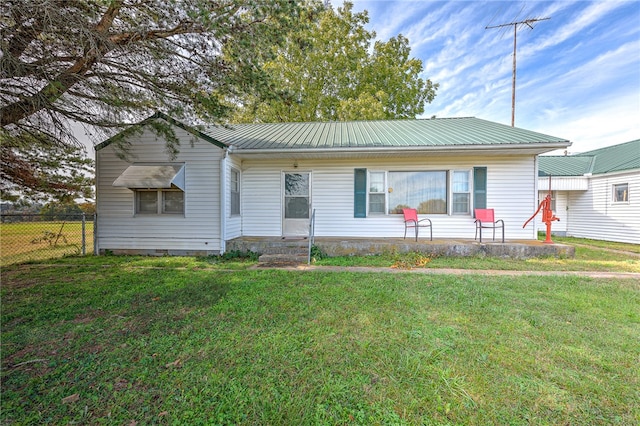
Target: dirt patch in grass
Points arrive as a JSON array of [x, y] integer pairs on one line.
[[18, 278], [88, 316], [32, 360], [26, 275]]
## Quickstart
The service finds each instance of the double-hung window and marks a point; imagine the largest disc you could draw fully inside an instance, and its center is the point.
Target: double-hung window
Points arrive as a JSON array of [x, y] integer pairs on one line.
[[234, 185], [377, 193], [461, 192]]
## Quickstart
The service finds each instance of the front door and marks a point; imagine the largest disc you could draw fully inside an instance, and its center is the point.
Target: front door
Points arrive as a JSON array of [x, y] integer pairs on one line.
[[296, 204]]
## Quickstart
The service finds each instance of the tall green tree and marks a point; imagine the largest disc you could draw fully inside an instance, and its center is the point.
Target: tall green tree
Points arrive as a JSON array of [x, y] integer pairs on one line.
[[331, 69], [47, 170], [108, 63]]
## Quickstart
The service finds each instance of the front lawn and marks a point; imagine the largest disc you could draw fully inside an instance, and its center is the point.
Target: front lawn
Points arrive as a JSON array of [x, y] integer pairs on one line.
[[116, 340]]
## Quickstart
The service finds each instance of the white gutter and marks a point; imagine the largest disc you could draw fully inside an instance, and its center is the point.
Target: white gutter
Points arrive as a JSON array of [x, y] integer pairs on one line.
[[399, 149]]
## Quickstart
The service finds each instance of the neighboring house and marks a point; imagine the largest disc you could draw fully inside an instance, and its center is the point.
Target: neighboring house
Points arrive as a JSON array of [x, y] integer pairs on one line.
[[264, 180], [595, 194]]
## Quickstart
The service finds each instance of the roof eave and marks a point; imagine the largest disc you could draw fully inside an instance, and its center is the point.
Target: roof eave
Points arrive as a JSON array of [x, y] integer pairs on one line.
[[528, 148]]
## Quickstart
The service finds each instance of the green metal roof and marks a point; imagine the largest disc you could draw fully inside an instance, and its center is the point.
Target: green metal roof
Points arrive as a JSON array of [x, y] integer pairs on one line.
[[439, 132], [616, 158], [551, 165]]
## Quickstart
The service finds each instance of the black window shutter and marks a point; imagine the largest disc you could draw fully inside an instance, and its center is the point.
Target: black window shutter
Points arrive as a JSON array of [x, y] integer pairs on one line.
[[360, 193], [479, 187]]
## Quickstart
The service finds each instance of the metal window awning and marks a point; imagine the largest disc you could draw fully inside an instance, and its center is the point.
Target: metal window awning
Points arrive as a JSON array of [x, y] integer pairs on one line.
[[152, 177]]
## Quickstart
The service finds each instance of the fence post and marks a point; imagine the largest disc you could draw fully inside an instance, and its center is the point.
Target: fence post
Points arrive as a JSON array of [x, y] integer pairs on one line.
[[84, 239]]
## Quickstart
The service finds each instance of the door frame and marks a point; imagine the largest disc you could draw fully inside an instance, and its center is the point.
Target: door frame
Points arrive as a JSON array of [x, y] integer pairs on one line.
[[295, 227]]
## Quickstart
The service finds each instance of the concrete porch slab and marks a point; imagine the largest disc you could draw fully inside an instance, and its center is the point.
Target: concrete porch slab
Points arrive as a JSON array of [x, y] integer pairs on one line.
[[336, 246]]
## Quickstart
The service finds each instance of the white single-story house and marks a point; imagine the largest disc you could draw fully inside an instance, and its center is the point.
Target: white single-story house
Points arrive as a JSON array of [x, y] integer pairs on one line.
[[266, 180], [596, 194]]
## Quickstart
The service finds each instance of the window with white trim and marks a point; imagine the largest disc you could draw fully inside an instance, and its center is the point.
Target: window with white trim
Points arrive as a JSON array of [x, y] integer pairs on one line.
[[234, 188], [621, 193], [377, 193], [159, 201], [428, 191], [461, 192]]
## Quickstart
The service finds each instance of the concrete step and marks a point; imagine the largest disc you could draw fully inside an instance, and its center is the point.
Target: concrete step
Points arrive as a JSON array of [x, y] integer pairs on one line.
[[283, 258], [291, 250]]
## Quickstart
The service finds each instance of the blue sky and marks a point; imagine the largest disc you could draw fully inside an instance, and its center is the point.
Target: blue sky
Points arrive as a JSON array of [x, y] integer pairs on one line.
[[578, 73]]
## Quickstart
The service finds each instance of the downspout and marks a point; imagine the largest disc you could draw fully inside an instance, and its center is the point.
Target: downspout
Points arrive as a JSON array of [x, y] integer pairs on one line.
[[96, 245], [223, 202]]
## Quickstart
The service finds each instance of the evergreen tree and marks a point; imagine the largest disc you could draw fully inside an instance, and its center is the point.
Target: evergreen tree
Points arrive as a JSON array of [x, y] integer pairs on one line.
[[107, 64]]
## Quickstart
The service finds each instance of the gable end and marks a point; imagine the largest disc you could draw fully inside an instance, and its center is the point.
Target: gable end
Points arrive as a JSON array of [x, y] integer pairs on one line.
[[168, 119]]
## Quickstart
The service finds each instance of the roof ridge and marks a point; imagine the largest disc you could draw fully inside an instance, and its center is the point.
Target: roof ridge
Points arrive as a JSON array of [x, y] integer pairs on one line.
[[607, 148], [382, 120]]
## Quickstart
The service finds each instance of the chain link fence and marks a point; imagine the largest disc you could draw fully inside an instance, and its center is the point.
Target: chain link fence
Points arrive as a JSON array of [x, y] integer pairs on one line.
[[25, 237]]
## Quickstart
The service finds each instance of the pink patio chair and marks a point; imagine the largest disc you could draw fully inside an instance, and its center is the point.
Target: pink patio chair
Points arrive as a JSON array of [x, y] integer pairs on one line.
[[411, 221], [485, 218]]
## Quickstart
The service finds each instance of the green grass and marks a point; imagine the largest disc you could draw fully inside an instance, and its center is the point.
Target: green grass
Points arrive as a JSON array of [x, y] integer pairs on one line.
[[634, 248], [32, 241], [187, 341]]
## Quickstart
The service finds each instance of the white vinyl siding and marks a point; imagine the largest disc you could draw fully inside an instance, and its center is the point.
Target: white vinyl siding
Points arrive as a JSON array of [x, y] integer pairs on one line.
[[511, 183], [262, 197], [593, 213], [197, 229]]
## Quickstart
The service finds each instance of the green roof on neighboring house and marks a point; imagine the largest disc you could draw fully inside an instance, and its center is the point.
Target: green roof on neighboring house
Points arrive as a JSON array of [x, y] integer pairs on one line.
[[438, 132], [551, 165], [616, 158]]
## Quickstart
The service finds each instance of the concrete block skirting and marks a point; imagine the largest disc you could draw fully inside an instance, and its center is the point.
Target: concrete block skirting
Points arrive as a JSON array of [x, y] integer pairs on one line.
[[159, 252]]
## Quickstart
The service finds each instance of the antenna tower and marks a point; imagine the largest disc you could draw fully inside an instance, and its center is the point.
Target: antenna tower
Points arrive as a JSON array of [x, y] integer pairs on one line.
[[528, 23]]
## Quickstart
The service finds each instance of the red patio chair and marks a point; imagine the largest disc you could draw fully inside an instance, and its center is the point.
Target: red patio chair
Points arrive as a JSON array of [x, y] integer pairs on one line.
[[411, 221], [485, 218]]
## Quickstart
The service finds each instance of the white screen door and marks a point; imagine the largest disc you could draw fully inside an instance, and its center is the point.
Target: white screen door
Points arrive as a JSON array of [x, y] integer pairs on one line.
[[296, 203]]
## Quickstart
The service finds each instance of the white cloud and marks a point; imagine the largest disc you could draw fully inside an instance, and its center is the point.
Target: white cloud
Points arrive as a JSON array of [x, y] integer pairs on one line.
[[594, 12], [578, 73]]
